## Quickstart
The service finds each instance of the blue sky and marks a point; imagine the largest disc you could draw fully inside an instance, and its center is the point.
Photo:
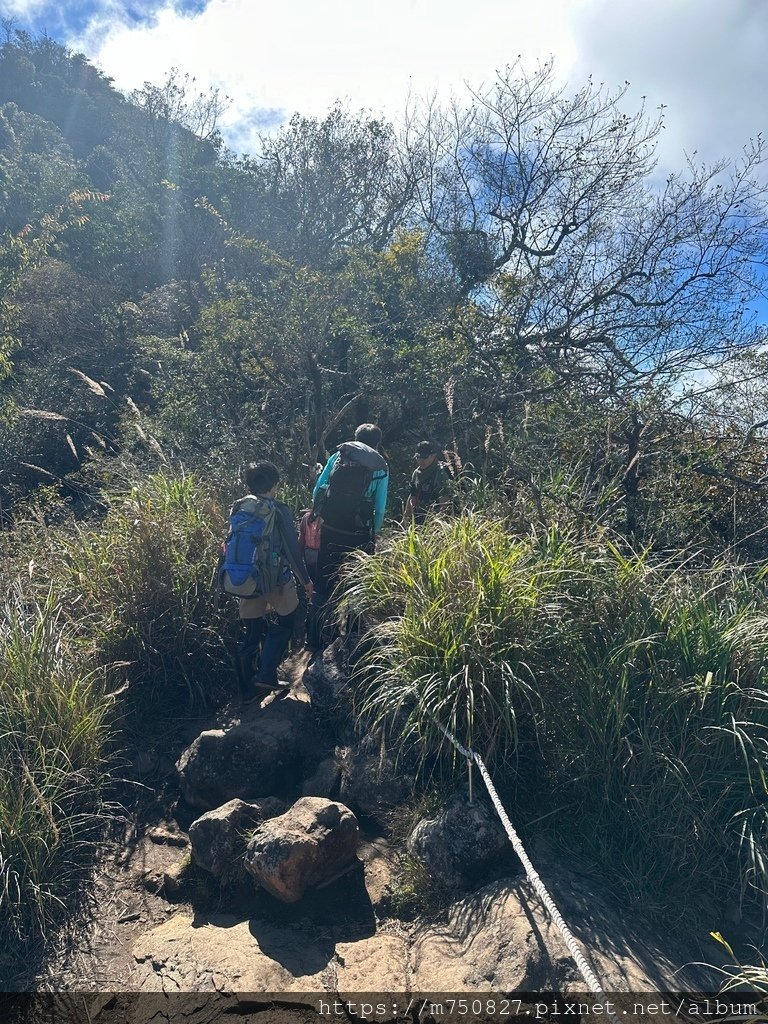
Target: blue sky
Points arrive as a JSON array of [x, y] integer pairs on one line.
[[65, 22]]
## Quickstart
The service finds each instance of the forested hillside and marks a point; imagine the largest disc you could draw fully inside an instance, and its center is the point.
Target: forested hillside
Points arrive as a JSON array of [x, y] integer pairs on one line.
[[510, 275]]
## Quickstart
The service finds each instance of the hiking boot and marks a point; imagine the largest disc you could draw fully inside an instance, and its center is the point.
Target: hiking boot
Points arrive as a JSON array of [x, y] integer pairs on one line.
[[259, 690], [251, 694], [270, 685]]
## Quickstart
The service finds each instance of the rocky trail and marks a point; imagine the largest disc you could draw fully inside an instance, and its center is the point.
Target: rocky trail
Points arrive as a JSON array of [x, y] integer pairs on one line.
[[265, 861]]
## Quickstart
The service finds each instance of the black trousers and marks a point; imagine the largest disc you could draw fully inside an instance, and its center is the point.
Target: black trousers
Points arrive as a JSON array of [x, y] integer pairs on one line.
[[335, 545]]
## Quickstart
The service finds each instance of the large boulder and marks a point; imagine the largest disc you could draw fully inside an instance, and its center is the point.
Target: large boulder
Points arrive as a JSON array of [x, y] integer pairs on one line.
[[251, 759], [374, 780], [308, 846], [219, 838], [457, 844]]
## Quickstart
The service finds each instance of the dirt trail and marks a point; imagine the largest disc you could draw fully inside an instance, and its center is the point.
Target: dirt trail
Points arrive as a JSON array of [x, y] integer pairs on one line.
[[143, 848], [151, 929]]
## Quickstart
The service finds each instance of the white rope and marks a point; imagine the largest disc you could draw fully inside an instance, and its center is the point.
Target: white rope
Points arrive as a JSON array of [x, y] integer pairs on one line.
[[586, 971]]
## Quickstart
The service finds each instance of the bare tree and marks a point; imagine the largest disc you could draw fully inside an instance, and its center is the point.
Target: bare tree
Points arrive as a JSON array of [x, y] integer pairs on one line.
[[581, 259], [178, 102]]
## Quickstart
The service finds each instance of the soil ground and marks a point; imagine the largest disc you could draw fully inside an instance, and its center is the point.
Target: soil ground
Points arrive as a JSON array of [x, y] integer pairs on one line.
[[142, 851], [135, 886]]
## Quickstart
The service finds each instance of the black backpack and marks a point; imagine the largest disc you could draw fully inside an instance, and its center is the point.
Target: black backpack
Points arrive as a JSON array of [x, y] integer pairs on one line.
[[344, 504]]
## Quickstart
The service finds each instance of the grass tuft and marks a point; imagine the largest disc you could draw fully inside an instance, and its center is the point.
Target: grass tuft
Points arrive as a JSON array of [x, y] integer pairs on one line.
[[630, 691], [54, 721]]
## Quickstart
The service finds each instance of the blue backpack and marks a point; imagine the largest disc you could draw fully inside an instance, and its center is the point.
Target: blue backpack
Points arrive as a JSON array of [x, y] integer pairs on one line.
[[253, 562]]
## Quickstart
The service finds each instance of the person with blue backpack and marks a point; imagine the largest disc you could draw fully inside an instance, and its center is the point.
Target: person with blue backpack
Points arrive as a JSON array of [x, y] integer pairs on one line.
[[260, 560]]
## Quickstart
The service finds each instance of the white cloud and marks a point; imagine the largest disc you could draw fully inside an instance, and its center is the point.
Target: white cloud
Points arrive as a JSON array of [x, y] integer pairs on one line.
[[705, 59], [305, 54], [23, 10]]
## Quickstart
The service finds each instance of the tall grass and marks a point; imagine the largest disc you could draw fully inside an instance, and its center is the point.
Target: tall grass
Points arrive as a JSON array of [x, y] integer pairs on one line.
[[105, 618], [53, 759], [643, 683], [146, 577], [140, 582], [459, 611], [739, 976]]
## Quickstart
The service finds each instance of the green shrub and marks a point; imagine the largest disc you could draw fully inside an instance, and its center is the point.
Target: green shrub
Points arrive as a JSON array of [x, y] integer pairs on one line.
[[643, 684]]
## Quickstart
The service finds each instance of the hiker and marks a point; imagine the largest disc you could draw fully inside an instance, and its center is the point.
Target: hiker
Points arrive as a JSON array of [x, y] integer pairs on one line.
[[349, 499], [309, 549], [430, 489], [261, 559]]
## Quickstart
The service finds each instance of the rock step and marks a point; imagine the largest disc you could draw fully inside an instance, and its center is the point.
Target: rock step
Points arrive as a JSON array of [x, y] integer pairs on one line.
[[491, 941]]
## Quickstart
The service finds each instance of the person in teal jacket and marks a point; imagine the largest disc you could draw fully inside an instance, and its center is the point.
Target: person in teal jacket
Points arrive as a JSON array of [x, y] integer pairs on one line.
[[349, 521], [376, 493]]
